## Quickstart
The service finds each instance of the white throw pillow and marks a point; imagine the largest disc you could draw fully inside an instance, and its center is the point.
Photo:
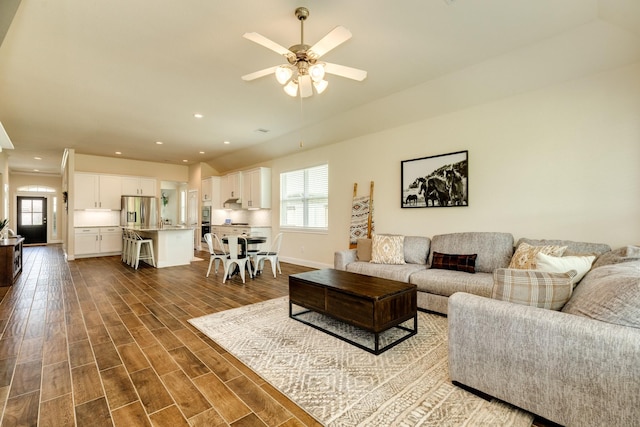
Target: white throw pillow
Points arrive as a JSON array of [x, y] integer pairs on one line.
[[387, 249], [553, 264]]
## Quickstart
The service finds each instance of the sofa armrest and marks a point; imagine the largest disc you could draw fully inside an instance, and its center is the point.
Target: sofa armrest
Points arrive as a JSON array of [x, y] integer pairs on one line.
[[342, 258], [569, 369]]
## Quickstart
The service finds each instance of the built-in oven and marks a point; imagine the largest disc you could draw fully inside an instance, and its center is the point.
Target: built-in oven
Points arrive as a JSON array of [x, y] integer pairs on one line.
[[206, 228], [206, 215]]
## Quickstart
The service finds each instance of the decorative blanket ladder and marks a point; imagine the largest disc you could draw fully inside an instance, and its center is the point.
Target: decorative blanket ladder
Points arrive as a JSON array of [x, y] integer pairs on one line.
[[362, 224]]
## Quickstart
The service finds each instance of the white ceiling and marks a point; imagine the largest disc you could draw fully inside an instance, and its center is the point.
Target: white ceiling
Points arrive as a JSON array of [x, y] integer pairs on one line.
[[119, 75]]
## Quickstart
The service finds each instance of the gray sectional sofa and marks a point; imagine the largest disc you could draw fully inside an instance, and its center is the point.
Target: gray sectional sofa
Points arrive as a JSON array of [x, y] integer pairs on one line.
[[579, 366], [576, 367]]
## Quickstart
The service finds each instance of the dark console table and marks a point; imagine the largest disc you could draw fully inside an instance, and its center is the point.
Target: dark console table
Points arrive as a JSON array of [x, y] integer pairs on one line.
[[10, 260]]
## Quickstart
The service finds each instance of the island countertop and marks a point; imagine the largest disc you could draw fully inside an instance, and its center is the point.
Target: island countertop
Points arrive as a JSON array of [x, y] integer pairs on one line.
[[172, 245], [163, 228]]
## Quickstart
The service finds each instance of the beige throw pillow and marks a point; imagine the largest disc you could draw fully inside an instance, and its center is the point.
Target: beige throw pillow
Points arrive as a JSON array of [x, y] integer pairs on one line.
[[387, 249], [525, 256]]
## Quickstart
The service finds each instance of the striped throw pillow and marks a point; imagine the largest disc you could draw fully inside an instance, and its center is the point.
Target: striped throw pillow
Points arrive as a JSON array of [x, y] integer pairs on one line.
[[533, 287]]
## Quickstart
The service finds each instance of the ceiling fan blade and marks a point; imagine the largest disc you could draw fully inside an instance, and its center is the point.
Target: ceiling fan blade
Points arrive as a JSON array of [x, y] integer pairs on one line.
[[306, 89], [263, 41], [258, 74], [342, 71], [334, 38]]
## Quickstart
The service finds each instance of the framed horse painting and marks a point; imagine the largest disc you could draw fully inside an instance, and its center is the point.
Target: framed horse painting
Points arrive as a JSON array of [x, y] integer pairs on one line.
[[435, 181]]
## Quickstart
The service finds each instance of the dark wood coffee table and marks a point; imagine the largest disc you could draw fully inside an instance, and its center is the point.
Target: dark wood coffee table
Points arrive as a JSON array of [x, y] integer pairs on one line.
[[370, 303]]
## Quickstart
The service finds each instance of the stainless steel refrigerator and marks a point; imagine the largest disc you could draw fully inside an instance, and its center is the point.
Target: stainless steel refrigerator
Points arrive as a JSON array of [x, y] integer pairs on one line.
[[139, 211]]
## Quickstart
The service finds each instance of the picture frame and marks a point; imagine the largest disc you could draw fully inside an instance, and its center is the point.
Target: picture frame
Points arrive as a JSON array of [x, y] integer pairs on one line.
[[435, 181]]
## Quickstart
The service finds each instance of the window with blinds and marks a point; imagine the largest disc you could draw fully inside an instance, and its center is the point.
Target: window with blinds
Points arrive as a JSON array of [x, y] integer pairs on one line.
[[304, 198]]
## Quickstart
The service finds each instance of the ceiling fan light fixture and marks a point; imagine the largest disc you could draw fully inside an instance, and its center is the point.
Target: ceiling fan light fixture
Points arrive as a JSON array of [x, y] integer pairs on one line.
[[320, 86], [283, 74], [317, 72], [291, 88]]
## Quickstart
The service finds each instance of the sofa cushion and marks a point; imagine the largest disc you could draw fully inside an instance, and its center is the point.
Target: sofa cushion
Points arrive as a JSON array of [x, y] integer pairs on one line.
[[533, 287], [416, 249], [525, 256], [387, 249], [363, 249], [553, 264], [624, 254], [573, 248], [610, 293], [399, 272], [464, 263], [494, 249], [448, 282]]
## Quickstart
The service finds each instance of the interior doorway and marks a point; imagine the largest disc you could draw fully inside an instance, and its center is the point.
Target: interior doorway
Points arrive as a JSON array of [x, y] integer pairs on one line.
[[32, 219]]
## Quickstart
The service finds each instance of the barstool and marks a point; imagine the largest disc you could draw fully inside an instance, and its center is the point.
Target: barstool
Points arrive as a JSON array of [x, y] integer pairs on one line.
[[126, 245], [137, 251]]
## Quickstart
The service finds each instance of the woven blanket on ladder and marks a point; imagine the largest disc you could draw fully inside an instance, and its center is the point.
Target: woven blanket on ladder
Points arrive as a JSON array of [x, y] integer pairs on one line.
[[360, 219]]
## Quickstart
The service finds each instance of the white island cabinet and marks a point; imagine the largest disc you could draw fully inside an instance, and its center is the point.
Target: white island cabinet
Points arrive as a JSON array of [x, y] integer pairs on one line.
[[172, 245]]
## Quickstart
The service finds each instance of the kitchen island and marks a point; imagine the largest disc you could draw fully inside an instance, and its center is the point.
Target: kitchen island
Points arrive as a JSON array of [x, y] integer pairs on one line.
[[172, 244]]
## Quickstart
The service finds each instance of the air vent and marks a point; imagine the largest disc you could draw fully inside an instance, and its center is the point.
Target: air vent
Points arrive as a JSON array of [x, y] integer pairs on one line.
[[262, 130]]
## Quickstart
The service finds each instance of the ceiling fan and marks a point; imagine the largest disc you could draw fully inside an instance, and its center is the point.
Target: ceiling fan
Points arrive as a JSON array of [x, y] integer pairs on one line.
[[304, 71]]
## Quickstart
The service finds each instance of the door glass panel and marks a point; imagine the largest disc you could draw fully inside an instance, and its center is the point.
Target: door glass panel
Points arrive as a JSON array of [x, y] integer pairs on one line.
[[26, 218], [37, 218], [37, 206], [26, 206]]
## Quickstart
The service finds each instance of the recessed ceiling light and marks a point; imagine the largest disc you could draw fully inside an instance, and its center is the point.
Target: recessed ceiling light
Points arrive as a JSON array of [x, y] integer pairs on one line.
[[37, 158], [185, 161], [227, 142], [159, 142], [36, 170], [118, 152], [202, 152], [198, 116]]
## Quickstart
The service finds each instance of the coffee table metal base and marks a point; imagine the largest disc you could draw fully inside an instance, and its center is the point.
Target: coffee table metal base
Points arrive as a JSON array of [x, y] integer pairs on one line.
[[376, 344]]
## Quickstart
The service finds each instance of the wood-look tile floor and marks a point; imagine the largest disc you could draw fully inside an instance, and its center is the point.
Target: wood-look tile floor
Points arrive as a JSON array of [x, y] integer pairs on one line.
[[94, 342]]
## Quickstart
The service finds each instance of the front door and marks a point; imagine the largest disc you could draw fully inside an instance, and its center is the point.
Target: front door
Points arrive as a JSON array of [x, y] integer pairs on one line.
[[32, 219]]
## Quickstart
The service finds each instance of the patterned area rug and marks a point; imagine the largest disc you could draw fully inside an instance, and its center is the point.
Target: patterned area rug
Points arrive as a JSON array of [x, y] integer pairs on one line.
[[342, 385]]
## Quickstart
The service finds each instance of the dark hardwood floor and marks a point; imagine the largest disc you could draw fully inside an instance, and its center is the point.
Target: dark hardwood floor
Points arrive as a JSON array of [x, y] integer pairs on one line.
[[94, 342]]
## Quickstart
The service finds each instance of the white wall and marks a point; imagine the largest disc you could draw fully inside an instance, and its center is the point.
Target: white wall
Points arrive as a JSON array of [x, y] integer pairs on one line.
[[560, 162]]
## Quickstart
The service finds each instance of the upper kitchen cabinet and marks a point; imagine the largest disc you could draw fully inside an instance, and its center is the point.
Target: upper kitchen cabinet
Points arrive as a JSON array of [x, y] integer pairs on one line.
[[231, 186], [211, 191], [93, 191], [256, 188], [138, 186]]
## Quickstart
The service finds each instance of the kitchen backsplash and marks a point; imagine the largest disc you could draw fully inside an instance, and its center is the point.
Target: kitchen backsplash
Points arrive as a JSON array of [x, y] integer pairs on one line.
[[257, 218], [96, 218]]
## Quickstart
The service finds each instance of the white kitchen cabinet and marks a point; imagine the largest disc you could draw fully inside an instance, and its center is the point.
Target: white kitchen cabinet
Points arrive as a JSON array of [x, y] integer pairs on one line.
[[256, 188], [110, 240], [231, 186], [94, 191], [86, 241], [94, 241], [138, 186], [211, 192]]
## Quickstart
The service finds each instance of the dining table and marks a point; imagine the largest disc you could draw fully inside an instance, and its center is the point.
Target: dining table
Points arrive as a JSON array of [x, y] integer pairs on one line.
[[251, 240]]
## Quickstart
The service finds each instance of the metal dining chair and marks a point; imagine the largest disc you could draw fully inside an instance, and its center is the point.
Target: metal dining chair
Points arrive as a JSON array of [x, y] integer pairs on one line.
[[272, 256], [216, 255], [234, 258]]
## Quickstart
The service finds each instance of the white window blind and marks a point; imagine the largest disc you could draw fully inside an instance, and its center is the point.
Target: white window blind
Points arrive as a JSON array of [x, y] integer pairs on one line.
[[304, 198]]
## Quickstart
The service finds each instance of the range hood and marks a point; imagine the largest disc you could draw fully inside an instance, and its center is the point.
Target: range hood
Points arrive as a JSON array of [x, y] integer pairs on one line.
[[234, 203]]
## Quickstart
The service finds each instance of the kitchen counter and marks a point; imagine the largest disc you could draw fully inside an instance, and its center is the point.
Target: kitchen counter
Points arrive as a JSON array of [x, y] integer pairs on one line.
[[172, 244]]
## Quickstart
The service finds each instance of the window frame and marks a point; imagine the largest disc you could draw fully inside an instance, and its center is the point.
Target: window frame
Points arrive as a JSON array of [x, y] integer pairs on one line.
[[305, 201]]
